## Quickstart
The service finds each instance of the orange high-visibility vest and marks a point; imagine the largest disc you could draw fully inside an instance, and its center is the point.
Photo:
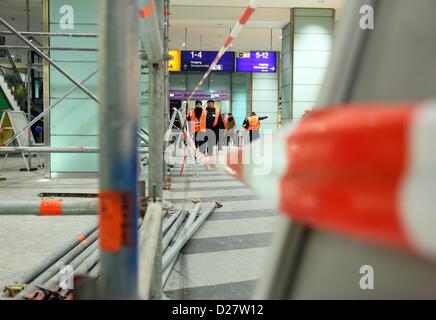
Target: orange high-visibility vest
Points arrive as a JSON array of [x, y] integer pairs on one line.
[[253, 123], [198, 124], [217, 115]]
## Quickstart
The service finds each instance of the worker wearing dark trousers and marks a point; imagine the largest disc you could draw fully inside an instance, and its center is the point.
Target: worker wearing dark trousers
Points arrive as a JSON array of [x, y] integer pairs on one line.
[[214, 123], [252, 124], [197, 119]]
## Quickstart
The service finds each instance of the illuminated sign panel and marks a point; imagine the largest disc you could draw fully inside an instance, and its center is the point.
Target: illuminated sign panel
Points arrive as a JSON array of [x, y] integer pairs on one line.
[[175, 63], [200, 61], [257, 61]]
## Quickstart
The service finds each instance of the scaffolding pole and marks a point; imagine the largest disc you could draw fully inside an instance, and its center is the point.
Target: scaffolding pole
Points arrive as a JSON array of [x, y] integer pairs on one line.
[[151, 29], [32, 150], [119, 111], [47, 110], [54, 49], [156, 108], [52, 34], [47, 58], [50, 207]]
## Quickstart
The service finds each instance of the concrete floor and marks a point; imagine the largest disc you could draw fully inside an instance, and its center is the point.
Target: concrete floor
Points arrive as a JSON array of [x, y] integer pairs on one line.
[[222, 261], [27, 240]]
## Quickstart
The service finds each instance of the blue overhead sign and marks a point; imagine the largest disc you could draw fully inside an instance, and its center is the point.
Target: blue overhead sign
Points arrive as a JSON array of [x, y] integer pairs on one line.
[[201, 61], [257, 61]]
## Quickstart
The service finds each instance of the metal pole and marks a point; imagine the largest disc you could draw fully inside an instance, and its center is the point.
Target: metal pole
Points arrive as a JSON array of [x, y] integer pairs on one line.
[[172, 232], [44, 56], [166, 39], [29, 89], [55, 268], [30, 275], [150, 257], [53, 34], [151, 29], [46, 111], [174, 250], [169, 222], [54, 49], [156, 132], [4, 150], [119, 111], [49, 207]]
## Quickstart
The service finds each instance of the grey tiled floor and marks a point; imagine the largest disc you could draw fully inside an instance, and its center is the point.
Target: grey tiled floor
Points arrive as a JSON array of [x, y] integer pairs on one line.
[[224, 259]]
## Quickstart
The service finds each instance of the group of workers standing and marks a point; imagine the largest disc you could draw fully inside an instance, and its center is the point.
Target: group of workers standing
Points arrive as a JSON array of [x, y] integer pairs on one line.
[[211, 128]]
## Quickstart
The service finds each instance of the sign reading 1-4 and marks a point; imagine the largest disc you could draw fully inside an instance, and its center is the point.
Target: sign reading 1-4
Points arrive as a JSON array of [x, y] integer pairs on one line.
[[201, 61]]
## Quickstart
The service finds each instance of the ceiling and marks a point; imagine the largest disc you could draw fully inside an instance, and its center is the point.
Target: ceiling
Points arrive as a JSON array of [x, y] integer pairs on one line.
[[200, 24], [262, 3], [205, 24]]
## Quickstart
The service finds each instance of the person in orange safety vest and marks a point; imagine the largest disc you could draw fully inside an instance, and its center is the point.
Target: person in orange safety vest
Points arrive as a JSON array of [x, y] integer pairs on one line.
[[252, 124], [198, 124], [214, 122]]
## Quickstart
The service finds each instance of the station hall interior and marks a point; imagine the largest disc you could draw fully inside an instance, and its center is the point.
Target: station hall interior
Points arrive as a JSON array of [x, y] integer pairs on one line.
[[217, 150]]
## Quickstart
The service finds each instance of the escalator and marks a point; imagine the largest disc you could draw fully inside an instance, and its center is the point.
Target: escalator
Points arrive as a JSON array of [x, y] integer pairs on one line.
[[8, 100]]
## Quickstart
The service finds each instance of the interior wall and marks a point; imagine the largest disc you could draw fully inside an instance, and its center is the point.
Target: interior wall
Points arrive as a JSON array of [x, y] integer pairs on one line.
[[313, 37], [286, 73], [264, 99], [239, 97], [74, 122]]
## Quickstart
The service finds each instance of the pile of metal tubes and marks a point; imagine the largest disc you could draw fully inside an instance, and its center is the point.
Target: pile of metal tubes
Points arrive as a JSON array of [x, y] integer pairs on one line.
[[52, 278], [161, 238], [177, 230]]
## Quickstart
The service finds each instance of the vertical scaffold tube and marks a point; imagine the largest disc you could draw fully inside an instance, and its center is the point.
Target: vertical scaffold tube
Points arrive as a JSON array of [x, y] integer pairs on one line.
[[119, 94]]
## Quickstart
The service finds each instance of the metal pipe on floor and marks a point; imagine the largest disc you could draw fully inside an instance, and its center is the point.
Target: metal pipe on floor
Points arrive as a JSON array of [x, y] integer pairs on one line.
[[55, 268], [54, 281], [174, 250], [46, 111], [31, 275], [119, 112], [47, 58], [88, 263], [173, 230], [192, 215], [49, 207], [57, 150], [150, 255], [169, 222]]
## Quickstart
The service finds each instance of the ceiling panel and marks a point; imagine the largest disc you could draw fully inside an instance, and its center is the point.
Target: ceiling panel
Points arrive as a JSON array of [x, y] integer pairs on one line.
[[262, 3]]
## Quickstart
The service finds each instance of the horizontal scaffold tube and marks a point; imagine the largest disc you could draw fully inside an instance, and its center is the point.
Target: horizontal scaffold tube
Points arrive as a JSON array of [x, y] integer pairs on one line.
[[49, 207], [53, 34], [56, 150]]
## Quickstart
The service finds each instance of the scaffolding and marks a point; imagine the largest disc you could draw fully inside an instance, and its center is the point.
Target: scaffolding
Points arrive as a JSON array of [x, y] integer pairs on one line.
[[119, 101]]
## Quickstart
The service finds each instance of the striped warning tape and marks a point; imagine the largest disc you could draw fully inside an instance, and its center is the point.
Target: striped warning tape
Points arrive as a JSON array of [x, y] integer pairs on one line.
[[366, 171], [233, 35]]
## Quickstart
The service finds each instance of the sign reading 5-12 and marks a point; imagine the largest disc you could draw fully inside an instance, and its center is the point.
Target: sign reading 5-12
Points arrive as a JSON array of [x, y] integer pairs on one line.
[[262, 55]]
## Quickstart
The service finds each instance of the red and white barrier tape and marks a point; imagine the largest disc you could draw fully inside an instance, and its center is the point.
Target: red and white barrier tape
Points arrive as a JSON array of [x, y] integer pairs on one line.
[[366, 171], [233, 35]]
